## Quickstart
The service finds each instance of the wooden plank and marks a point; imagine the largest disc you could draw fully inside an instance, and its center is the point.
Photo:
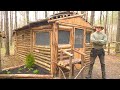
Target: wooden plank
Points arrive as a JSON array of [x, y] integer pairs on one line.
[[42, 52], [64, 18], [54, 48], [42, 49], [47, 68], [39, 59], [42, 27], [43, 57], [39, 54], [43, 63], [64, 46], [25, 76], [65, 27], [38, 46], [42, 30]]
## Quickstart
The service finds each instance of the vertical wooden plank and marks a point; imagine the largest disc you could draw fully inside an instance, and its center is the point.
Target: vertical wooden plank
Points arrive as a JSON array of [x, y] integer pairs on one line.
[[15, 50], [82, 64], [108, 48], [71, 72], [54, 48], [31, 40], [51, 46], [72, 38]]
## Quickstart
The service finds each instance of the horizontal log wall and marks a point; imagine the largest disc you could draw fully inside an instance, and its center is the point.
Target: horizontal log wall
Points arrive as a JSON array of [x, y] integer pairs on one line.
[[87, 51], [22, 44], [42, 56], [66, 47]]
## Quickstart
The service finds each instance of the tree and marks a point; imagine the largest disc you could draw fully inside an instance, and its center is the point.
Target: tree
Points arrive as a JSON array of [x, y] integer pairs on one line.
[[7, 34], [1, 41], [11, 26], [53, 12], [15, 19], [1, 28], [112, 27], [27, 16], [106, 21], [100, 17], [117, 49], [92, 17], [45, 14], [36, 13]]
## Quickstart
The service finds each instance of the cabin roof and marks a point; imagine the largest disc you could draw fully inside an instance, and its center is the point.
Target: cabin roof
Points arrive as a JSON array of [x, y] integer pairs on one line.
[[45, 21]]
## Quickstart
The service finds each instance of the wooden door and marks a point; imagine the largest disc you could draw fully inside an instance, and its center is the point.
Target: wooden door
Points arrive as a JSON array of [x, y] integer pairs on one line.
[[78, 41]]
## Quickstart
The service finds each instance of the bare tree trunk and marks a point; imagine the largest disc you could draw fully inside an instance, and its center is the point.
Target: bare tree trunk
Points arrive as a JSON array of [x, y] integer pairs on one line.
[[92, 17], [106, 20], [11, 26], [1, 41], [82, 12], [15, 19], [36, 13], [45, 14], [53, 12], [86, 15], [7, 34], [27, 16], [112, 27], [1, 28], [100, 17], [117, 49]]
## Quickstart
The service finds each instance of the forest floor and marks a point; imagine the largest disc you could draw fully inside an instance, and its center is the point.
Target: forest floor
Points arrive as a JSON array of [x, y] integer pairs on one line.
[[112, 62]]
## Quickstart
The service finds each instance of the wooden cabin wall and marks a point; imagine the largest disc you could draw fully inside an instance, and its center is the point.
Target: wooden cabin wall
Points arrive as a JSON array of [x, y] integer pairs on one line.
[[76, 21], [88, 47], [22, 43], [42, 53], [66, 47]]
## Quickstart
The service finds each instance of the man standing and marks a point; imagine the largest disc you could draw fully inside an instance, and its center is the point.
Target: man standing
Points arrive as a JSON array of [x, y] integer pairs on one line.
[[98, 40]]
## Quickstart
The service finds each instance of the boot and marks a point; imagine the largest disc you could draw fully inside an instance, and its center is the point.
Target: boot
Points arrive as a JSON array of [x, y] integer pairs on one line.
[[103, 71], [90, 72], [103, 75]]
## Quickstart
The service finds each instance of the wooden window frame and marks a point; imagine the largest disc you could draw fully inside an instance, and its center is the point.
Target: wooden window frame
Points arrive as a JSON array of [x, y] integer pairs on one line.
[[69, 37], [34, 37], [83, 34]]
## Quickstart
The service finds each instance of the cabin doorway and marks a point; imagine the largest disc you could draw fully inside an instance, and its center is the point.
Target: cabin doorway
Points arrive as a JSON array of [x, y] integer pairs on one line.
[[78, 41]]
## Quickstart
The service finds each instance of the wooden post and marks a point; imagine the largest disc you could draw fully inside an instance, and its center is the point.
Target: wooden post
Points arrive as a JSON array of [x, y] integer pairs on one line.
[[82, 64], [70, 73], [108, 48], [54, 48], [0, 55]]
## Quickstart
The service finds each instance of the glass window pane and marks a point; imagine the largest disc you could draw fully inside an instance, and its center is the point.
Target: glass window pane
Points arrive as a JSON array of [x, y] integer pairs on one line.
[[42, 38], [78, 38], [88, 37], [63, 37]]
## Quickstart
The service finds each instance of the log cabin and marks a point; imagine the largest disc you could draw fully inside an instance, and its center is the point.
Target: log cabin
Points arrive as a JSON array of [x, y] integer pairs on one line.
[[45, 38]]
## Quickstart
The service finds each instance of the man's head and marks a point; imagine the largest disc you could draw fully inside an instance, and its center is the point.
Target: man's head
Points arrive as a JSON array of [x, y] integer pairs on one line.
[[98, 28]]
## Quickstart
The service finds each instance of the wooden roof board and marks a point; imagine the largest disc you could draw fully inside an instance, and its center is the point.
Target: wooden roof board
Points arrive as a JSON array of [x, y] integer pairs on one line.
[[77, 21], [71, 19]]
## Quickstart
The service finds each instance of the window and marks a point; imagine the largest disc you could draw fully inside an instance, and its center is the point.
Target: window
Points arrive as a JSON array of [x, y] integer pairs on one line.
[[79, 38], [63, 37], [87, 37], [42, 38]]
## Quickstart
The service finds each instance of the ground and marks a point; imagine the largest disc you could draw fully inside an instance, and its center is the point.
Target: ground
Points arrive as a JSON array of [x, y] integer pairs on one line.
[[112, 67], [112, 62]]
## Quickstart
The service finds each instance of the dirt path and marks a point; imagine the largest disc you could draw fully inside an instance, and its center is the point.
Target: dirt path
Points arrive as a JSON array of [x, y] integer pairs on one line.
[[10, 61], [112, 67]]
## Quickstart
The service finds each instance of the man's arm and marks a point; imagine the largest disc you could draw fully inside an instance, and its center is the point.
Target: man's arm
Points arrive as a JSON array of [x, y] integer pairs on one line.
[[104, 41], [93, 39]]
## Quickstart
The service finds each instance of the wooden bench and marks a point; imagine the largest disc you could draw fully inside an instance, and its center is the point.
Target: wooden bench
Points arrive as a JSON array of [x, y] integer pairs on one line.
[[68, 64]]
